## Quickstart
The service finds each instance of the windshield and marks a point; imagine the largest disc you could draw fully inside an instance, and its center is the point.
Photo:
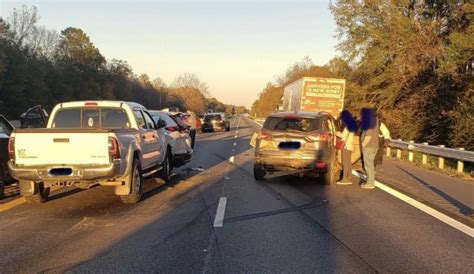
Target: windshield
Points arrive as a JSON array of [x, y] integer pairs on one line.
[[165, 117], [91, 118], [213, 117]]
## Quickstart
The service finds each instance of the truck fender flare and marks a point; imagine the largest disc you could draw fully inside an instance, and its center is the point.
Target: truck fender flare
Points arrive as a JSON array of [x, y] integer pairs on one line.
[[126, 188]]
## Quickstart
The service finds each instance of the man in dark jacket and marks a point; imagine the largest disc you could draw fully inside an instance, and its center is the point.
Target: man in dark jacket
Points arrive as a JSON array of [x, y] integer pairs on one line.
[[370, 144]]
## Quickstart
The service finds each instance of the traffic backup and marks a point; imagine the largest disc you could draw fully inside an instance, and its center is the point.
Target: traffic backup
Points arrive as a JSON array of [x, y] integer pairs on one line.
[[109, 143]]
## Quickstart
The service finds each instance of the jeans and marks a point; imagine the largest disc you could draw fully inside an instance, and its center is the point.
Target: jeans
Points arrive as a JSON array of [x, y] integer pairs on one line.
[[346, 165], [369, 163], [192, 134]]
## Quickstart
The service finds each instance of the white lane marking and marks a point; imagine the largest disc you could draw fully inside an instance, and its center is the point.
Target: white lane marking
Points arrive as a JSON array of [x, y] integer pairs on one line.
[[231, 159], [426, 209], [219, 219]]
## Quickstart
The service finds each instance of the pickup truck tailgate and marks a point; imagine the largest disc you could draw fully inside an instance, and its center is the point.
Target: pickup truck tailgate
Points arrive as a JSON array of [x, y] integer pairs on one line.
[[65, 148]]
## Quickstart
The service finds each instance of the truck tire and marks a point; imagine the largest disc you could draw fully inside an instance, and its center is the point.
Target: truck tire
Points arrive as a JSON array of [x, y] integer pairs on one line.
[[259, 172], [39, 196], [136, 185], [165, 173]]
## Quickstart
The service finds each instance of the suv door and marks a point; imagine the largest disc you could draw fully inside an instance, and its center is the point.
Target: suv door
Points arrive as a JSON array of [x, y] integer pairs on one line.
[[160, 135], [35, 117]]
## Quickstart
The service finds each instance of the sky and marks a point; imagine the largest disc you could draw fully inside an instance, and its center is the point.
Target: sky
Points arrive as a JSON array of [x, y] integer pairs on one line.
[[236, 47]]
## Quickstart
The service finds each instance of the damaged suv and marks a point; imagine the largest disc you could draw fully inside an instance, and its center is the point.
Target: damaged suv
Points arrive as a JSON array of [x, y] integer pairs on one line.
[[300, 143]]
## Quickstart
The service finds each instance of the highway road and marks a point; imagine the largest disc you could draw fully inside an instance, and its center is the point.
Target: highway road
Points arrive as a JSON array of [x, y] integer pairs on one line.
[[214, 217]]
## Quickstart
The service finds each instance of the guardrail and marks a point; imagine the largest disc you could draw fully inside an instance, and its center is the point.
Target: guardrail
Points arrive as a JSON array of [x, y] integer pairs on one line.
[[442, 152]]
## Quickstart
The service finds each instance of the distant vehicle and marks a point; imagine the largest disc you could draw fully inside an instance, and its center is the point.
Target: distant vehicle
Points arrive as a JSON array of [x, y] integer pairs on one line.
[[110, 143], [301, 143], [312, 94], [179, 142], [214, 122]]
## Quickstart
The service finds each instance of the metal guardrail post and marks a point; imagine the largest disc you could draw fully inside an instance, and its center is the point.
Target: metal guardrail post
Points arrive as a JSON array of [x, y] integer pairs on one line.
[[441, 159], [461, 163], [424, 157], [399, 151], [410, 151], [388, 151]]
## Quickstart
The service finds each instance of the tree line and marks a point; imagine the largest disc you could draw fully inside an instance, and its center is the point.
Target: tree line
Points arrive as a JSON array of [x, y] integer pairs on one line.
[[39, 66], [412, 60]]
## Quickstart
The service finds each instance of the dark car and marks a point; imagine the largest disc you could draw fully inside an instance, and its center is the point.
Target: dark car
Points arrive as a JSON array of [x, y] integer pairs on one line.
[[297, 143], [214, 122]]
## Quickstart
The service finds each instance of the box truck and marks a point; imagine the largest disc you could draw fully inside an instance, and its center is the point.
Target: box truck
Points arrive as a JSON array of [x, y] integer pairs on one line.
[[314, 94]]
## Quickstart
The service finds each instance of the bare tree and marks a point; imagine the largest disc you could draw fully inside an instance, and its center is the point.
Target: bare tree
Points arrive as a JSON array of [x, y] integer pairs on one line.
[[43, 42], [22, 23], [191, 80], [158, 83]]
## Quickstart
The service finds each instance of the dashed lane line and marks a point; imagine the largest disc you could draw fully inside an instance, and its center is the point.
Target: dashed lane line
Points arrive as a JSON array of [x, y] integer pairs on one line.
[[219, 219], [426, 209]]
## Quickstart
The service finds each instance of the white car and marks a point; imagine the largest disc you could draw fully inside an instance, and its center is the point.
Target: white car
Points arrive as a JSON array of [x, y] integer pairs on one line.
[[179, 140]]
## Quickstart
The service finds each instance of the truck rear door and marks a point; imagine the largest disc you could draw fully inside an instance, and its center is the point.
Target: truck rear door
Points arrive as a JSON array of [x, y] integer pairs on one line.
[[61, 147]]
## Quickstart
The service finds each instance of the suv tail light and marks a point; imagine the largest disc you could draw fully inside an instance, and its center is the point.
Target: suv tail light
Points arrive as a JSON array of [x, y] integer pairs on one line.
[[172, 129], [265, 134], [11, 148], [114, 148], [318, 137]]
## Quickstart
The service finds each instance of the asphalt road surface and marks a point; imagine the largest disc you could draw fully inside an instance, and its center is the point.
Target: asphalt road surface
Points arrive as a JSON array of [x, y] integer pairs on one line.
[[286, 224]]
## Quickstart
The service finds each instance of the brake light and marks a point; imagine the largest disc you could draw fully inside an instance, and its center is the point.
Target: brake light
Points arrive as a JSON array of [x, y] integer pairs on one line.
[[319, 164], [90, 104], [114, 148], [318, 137], [11, 148], [172, 129], [265, 135]]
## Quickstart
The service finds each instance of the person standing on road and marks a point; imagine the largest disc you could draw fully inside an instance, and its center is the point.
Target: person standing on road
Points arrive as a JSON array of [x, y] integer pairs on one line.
[[191, 121], [370, 144], [384, 137], [350, 127]]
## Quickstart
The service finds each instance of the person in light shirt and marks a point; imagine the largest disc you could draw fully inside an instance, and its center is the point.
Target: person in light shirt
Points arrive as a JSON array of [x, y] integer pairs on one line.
[[350, 127]]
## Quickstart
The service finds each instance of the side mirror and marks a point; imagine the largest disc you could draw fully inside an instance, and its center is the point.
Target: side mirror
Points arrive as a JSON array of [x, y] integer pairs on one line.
[[161, 124]]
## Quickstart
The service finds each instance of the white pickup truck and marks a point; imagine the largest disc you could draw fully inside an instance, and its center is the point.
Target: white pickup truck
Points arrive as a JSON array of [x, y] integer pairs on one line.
[[86, 143]]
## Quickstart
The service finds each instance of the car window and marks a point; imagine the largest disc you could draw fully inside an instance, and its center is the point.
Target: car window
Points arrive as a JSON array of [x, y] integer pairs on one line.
[[33, 119], [140, 120], [91, 118], [292, 124], [67, 118], [169, 122], [213, 117], [149, 121], [179, 122], [5, 128]]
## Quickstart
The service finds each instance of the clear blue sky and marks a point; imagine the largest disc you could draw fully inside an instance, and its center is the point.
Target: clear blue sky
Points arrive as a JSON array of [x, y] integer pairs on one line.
[[236, 47]]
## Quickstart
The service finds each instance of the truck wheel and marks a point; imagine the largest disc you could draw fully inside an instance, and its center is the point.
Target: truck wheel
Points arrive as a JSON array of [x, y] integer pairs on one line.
[[136, 185], [165, 173], [40, 193], [258, 172]]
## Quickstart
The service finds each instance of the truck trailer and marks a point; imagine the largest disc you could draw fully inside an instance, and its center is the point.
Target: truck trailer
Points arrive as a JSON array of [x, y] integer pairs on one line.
[[314, 94]]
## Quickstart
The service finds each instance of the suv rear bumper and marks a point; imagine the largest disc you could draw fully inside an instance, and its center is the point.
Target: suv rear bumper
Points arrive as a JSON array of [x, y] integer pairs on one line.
[[274, 161], [78, 173]]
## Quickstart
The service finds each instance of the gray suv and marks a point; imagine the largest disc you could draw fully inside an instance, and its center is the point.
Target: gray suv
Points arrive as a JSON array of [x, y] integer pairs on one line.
[[297, 143]]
